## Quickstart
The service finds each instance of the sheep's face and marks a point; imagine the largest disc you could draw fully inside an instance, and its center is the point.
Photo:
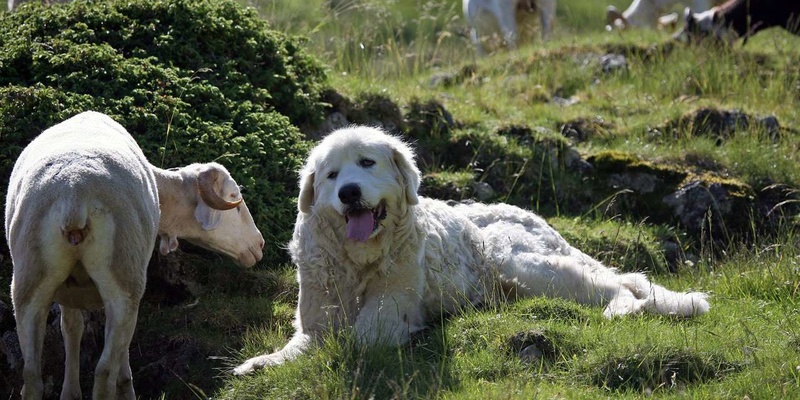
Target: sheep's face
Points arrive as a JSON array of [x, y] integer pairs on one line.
[[229, 231]]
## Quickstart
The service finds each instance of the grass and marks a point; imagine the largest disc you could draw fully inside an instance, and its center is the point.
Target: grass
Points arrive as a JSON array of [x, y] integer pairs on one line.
[[748, 346]]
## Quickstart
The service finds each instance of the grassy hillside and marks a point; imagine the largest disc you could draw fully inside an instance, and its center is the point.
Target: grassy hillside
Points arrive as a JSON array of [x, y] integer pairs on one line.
[[511, 120], [747, 347]]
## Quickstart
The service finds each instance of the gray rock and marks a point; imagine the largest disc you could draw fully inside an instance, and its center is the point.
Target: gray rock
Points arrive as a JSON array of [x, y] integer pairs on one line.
[[770, 125], [692, 203], [639, 182], [613, 63], [483, 191], [531, 354]]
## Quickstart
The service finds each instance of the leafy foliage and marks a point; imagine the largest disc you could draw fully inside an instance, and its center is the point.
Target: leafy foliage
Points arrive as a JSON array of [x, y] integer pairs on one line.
[[193, 81]]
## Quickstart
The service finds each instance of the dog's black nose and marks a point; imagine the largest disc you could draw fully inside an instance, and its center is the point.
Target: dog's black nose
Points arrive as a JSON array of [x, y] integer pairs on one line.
[[350, 194]]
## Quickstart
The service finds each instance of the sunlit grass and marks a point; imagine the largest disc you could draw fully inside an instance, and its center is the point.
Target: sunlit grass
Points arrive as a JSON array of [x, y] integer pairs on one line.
[[748, 346]]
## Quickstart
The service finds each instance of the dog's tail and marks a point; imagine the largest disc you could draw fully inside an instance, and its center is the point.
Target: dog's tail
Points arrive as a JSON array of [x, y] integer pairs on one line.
[[648, 296]]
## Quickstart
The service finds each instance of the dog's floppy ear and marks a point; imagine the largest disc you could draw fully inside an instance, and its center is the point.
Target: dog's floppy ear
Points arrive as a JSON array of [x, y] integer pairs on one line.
[[306, 198], [403, 158]]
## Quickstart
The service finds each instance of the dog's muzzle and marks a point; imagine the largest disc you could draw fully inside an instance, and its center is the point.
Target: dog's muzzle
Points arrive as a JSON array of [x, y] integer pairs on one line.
[[363, 221]]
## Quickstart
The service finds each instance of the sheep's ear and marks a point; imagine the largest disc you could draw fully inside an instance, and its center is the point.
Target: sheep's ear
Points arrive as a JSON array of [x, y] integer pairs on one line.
[[208, 217], [168, 244], [403, 158], [306, 198]]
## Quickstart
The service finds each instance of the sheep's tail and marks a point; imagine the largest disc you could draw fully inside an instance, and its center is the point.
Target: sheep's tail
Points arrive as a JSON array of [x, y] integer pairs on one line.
[[74, 222], [660, 300]]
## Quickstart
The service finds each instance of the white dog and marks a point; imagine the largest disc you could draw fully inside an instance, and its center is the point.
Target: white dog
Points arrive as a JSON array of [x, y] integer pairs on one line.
[[489, 17], [375, 257]]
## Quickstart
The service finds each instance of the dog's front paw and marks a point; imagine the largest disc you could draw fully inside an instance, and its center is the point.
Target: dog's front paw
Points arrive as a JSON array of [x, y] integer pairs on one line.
[[257, 363]]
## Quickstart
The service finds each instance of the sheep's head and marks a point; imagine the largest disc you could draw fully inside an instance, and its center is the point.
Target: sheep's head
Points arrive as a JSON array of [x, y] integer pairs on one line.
[[222, 221]]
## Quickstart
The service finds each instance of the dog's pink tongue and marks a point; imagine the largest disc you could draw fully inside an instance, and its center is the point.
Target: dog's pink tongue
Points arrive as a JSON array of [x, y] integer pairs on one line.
[[359, 226]]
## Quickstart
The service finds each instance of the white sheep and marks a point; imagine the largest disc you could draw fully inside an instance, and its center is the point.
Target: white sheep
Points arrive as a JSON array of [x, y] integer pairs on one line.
[[81, 218]]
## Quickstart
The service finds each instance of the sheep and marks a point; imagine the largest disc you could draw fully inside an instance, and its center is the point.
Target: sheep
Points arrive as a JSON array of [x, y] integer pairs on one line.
[[83, 211]]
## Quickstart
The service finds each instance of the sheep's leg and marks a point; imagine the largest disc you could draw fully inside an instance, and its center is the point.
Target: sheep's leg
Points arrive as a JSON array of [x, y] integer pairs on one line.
[[125, 379], [72, 331], [476, 40], [508, 26], [121, 315], [32, 291], [121, 301], [31, 321], [547, 11]]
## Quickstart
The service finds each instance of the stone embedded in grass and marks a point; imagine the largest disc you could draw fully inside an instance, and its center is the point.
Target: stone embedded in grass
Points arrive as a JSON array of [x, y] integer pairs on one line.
[[532, 346], [584, 129], [719, 207], [721, 124], [467, 73], [613, 63]]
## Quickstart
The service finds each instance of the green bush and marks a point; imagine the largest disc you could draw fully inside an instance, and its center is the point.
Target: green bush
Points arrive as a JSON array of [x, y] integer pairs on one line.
[[193, 81]]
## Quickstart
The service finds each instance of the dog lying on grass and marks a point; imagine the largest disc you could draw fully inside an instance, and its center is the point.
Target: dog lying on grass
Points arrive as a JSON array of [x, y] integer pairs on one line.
[[375, 257]]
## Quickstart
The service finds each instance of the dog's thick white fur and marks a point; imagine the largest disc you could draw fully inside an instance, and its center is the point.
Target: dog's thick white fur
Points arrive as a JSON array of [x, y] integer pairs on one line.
[[374, 256], [490, 17]]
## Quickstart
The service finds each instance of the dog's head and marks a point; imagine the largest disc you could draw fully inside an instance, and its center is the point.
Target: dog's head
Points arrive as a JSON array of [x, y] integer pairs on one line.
[[361, 174]]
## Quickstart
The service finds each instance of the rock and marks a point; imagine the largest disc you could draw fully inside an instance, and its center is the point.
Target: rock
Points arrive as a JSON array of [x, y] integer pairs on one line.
[[9, 346], [639, 182], [610, 63], [483, 191], [770, 125], [582, 129], [565, 102], [576, 163], [692, 203], [332, 122], [448, 79], [531, 354], [532, 346]]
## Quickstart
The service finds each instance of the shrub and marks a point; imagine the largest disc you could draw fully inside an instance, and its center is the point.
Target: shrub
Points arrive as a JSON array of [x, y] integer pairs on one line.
[[191, 80]]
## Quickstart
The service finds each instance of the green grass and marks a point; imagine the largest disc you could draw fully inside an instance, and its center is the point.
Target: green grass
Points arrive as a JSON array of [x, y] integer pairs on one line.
[[748, 346]]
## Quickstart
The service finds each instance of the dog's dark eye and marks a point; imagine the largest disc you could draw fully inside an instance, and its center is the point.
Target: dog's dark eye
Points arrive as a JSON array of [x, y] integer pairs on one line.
[[333, 174], [366, 162]]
